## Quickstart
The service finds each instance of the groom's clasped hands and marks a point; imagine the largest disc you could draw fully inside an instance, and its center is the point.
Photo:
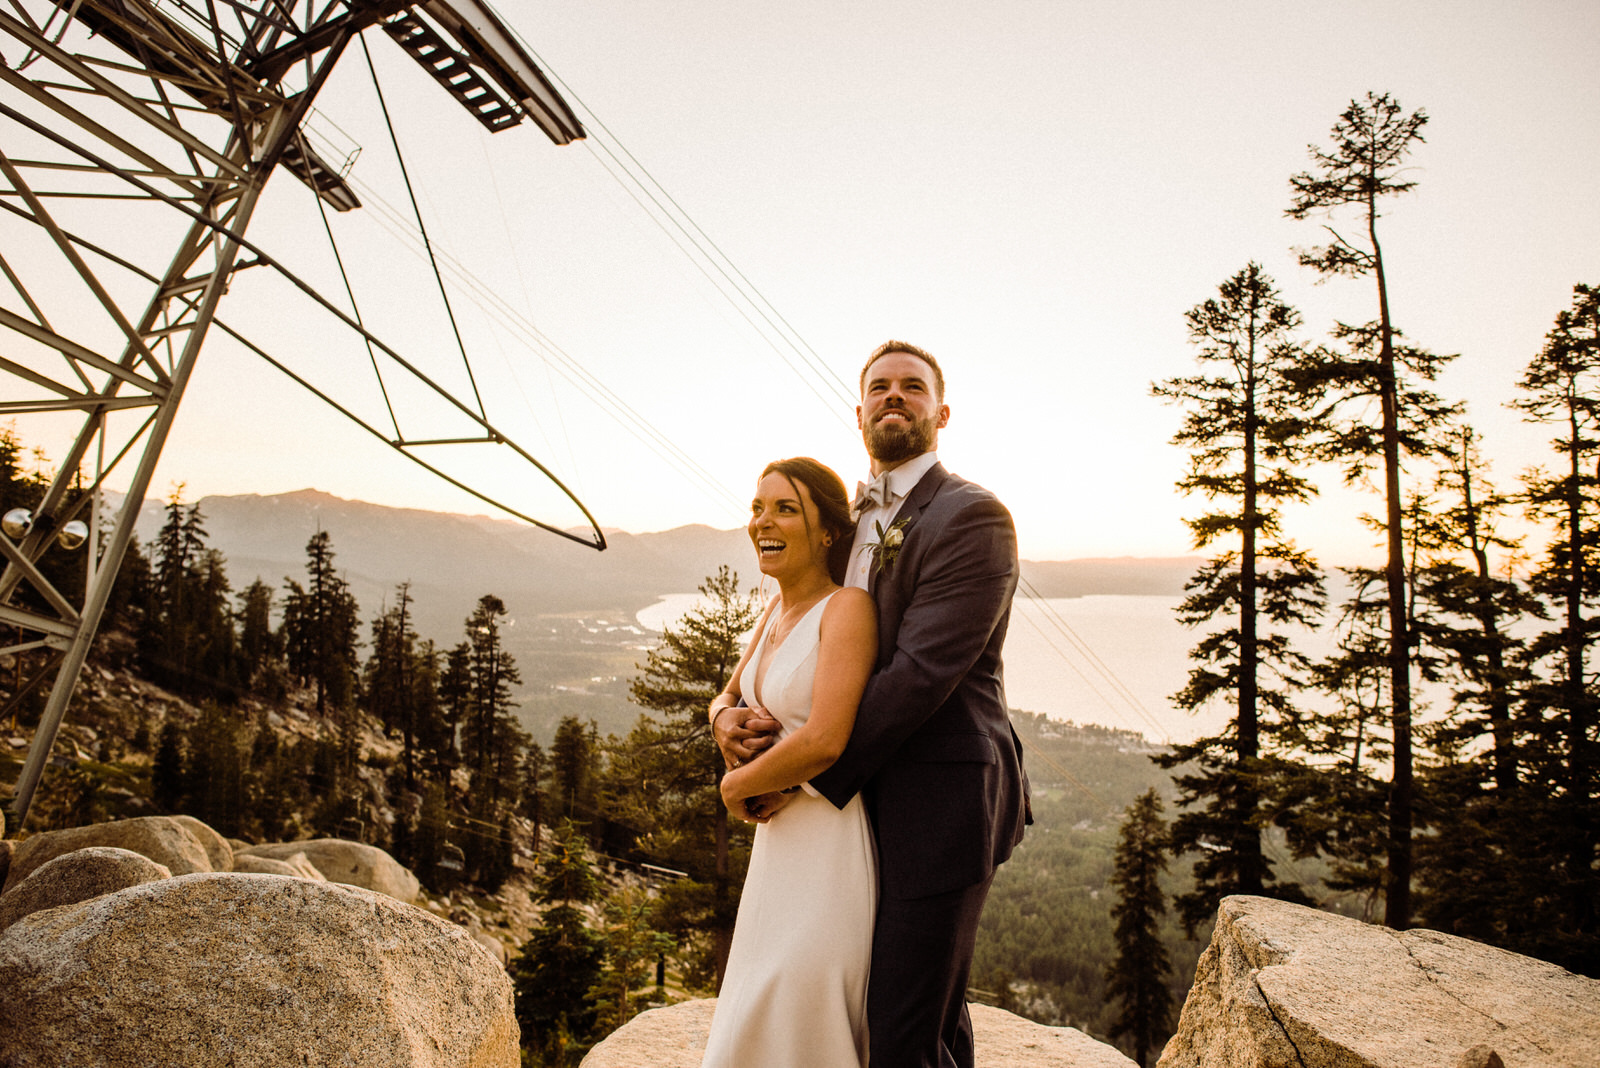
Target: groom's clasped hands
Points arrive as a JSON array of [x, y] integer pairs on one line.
[[742, 734]]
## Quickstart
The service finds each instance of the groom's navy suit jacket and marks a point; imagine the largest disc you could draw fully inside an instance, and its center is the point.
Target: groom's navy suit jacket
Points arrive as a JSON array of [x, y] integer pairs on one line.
[[932, 752]]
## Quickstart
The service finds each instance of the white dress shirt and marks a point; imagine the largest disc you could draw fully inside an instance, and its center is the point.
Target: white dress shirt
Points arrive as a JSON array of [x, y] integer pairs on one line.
[[901, 481]]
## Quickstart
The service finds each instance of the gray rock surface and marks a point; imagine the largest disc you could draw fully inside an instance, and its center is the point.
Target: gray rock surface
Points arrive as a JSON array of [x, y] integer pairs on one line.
[[1283, 986], [674, 1036], [161, 838], [77, 876], [218, 851], [262, 970], [354, 863], [296, 865]]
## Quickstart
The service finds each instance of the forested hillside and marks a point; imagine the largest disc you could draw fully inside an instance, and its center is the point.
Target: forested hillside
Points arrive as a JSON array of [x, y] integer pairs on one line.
[[1046, 941]]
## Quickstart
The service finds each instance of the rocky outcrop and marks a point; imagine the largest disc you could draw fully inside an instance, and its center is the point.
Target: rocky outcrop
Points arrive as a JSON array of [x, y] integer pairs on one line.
[[77, 876], [1283, 986], [208, 969], [218, 851], [675, 1037], [296, 865], [347, 862], [161, 838]]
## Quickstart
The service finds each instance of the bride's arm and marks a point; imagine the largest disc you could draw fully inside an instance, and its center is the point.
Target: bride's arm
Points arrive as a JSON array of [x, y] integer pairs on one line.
[[847, 648], [734, 739]]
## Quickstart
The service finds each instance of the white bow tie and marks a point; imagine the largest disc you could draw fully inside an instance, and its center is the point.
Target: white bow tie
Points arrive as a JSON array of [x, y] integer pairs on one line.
[[873, 494]]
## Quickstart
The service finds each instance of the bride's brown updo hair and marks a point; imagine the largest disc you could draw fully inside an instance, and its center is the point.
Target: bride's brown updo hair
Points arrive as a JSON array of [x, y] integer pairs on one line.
[[833, 506]]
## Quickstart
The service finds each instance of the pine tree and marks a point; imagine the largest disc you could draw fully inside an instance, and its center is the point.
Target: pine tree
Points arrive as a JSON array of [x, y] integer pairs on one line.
[[455, 701], [1371, 143], [632, 947], [1561, 387], [1137, 977], [1246, 429], [1469, 607], [167, 770], [398, 682], [321, 623], [260, 648], [666, 773], [188, 640], [574, 771], [215, 784], [562, 959]]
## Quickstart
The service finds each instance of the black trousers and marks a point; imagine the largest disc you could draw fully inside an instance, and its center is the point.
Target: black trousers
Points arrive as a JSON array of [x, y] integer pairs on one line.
[[917, 994]]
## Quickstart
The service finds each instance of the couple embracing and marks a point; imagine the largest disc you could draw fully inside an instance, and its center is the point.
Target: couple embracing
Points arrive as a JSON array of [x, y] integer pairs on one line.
[[865, 730]]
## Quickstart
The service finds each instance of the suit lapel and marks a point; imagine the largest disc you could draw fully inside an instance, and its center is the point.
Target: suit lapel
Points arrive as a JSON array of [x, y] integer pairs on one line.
[[915, 502]]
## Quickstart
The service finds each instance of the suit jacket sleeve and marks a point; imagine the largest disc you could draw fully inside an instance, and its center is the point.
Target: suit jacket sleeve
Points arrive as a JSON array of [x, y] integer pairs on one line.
[[959, 569]]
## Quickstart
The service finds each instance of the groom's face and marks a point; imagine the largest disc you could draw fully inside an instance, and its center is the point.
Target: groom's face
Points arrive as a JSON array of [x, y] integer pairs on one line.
[[900, 414]]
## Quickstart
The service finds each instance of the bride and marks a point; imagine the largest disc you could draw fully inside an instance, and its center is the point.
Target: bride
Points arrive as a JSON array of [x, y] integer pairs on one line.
[[795, 990]]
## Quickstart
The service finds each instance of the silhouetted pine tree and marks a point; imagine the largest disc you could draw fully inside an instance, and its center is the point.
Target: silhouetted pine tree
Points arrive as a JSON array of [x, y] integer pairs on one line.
[[167, 769], [1371, 143], [1246, 429], [321, 623], [1137, 977], [1561, 387]]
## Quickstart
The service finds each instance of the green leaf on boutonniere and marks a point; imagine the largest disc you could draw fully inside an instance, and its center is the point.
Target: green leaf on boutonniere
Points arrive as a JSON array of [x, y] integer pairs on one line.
[[887, 548]]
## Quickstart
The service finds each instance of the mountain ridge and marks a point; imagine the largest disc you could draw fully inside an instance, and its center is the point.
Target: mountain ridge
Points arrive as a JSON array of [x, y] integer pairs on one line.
[[452, 559]]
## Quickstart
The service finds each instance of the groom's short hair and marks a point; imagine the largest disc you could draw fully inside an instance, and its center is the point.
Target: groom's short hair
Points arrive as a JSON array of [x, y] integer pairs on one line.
[[910, 350]]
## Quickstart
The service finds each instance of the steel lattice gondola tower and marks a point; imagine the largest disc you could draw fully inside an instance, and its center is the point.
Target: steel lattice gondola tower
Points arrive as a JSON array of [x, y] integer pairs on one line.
[[111, 110]]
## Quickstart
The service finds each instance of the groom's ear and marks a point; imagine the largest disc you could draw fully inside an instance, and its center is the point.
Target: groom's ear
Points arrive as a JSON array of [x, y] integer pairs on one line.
[[858, 417], [944, 415]]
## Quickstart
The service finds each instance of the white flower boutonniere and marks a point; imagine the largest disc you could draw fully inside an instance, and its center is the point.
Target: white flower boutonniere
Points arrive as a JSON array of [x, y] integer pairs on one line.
[[887, 548]]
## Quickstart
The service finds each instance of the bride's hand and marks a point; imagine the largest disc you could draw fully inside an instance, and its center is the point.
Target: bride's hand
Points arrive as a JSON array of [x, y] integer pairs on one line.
[[763, 808], [742, 733]]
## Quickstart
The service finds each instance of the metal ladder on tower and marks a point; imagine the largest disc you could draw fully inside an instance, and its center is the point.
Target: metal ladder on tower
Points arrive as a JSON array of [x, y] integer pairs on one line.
[[453, 70]]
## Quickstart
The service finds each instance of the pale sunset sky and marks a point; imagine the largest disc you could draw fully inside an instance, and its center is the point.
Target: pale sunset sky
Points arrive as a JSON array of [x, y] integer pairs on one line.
[[1034, 190]]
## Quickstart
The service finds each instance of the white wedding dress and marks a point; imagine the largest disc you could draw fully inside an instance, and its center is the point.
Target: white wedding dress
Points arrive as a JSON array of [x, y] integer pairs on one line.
[[795, 992]]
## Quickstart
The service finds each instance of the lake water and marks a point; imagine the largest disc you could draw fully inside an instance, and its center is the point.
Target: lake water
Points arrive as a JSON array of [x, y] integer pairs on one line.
[[1111, 660]]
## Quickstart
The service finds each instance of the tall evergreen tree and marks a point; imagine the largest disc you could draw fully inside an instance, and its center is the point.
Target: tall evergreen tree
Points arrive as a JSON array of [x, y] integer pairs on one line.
[[492, 743], [321, 625], [455, 703], [491, 672], [398, 681], [188, 639], [1246, 430], [1372, 142], [574, 771], [562, 959], [1137, 977], [260, 647], [666, 772], [632, 948], [1470, 606], [1561, 387]]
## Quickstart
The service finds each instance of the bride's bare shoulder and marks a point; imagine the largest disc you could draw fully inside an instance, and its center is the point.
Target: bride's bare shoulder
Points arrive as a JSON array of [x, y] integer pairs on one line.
[[851, 603]]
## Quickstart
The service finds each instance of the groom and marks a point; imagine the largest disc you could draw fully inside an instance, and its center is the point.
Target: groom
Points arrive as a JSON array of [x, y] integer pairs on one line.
[[933, 753]]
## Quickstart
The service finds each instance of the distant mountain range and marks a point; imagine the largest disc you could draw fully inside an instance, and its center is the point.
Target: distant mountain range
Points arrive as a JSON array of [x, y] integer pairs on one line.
[[451, 560]]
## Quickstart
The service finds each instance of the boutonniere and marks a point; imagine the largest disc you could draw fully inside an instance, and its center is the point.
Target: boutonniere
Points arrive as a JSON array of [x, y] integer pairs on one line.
[[887, 548]]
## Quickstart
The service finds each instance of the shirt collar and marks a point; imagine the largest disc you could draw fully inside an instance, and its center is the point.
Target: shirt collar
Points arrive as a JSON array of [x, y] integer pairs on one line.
[[903, 479]]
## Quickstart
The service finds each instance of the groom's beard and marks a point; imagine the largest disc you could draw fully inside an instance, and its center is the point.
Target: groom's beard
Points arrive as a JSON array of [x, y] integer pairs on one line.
[[893, 443]]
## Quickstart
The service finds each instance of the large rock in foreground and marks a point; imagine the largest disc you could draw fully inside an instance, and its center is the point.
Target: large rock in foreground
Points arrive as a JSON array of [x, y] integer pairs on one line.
[[265, 970], [341, 861], [161, 838], [675, 1037], [1283, 986]]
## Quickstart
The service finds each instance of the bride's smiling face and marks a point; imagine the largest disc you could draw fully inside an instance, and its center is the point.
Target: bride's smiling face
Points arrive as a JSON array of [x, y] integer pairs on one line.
[[786, 528]]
